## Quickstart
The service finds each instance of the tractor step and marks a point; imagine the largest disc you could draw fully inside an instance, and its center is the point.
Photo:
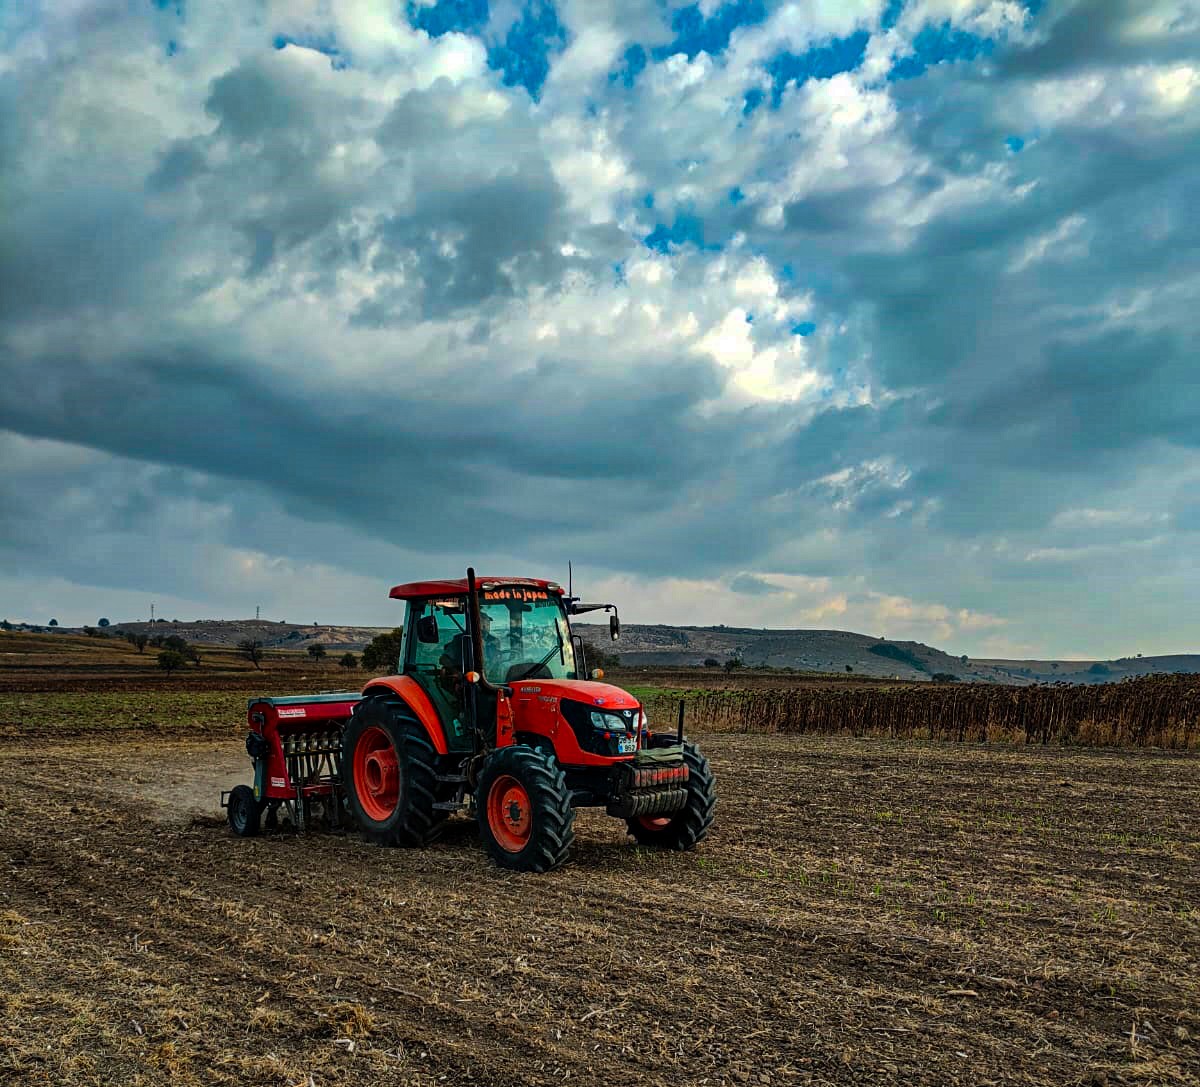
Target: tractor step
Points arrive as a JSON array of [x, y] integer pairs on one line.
[[449, 805], [452, 779]]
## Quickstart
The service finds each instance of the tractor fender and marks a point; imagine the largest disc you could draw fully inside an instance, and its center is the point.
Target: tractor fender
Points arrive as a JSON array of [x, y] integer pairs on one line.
[[407, 688]]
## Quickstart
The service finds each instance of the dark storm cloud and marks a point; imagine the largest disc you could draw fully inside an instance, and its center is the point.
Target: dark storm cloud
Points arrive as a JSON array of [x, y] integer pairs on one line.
[[1085, 35]]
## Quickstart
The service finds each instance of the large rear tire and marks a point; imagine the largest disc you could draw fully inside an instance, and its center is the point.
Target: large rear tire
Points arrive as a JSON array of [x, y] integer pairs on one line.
[[389, 773], [524, 810], [690, 824]]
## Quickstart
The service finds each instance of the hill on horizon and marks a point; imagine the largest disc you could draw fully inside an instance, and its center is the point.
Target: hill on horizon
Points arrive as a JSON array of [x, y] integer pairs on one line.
[[661, 646]]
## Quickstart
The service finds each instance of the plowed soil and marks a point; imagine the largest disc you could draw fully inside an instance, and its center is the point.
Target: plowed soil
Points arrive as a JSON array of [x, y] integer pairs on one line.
[[863, 912]]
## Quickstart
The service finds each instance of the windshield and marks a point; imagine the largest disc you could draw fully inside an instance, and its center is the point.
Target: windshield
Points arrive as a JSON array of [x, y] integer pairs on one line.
[[525, 636]]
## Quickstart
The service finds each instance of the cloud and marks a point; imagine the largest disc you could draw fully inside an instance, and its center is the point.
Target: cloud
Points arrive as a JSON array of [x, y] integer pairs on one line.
[[297, 303]]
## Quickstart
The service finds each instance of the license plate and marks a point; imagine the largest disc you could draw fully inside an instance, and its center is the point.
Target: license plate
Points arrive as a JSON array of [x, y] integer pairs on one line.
[[626, 745]]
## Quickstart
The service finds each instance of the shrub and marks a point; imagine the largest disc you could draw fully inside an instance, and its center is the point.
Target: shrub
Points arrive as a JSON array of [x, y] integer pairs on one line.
[[734, 663], [349, 660], [894, 652], [101, 622], [712, 662], [383, 652], [316, 651], [169, 660]]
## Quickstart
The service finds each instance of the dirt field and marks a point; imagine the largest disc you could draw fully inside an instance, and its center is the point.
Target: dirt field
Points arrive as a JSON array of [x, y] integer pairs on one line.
[[864, 911]]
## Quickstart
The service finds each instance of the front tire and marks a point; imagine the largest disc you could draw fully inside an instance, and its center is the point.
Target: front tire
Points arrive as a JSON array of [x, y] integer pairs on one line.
[[690, 824], [524, 810], [389, 773]]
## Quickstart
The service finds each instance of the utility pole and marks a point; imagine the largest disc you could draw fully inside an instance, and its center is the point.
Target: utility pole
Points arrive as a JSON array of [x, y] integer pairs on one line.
[[257, 608], [152, 611]]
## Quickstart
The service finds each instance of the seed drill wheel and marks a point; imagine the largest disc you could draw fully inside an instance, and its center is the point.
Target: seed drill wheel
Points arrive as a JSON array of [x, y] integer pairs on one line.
[[245, 812], [684, 828], [524, 810], [389, 771]]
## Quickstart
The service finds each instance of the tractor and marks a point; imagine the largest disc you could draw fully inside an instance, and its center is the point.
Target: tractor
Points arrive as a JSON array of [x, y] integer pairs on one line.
[[489, 712]]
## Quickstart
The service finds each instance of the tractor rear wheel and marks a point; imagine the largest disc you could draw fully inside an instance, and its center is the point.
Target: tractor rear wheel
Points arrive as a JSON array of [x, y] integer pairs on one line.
[[524, 810], [389, 773], [689, 825], [245, 812]]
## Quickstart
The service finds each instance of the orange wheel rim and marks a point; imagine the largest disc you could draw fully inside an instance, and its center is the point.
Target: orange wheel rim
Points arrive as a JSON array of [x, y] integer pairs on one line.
[[376, 774], [655, 822], [510, 814]]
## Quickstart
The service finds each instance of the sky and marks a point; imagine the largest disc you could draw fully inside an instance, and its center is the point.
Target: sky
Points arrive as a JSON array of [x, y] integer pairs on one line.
[[872, 315]]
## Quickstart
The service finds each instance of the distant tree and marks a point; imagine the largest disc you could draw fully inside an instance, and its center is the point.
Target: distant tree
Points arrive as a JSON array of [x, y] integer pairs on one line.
[[348, 661], [174, 641], [5, 624], [90, 631], [849, 669], [101, 622], [599, 657], [54, 622], [383, 652], [169, 660], [252, 650], [138, 641], [712, 662], [963, 659], [944, 677], [1099, 669], [316, 651], [193, 654], [734, 663]]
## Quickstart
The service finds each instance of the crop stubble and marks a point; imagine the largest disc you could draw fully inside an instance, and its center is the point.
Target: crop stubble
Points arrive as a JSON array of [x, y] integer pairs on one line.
[[865, 911]]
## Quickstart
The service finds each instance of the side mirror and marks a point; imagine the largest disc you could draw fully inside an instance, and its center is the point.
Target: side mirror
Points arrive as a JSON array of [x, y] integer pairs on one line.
[[614, 627], [427, 630]]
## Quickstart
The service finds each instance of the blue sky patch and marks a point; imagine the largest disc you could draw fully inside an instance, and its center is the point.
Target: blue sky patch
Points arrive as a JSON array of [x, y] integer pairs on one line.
[[170, 5], [524, 58], [449, 16], [686, 229], [891, 14], [804, 328], [736, 196], [172, 47], [696, 34], [822, 62], [633, 62], [935, 44], [1014, 143], [752, 101]]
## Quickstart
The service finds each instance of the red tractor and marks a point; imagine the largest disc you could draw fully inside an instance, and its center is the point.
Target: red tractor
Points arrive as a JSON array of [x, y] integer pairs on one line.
[[490, 712]]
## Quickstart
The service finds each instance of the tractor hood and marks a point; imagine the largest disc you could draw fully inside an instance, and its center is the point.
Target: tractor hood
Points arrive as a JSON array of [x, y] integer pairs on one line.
[[603, 695]]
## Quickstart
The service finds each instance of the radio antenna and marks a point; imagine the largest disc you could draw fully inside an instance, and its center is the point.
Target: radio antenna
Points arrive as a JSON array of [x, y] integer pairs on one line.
[[570, 580]]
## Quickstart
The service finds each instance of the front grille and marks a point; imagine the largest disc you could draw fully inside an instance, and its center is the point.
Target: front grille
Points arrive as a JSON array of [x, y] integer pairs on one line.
[[579, 715]]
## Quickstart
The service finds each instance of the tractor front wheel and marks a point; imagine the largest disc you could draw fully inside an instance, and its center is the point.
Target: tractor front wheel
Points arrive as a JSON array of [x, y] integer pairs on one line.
[[389, 774], [524, 810], [245, 812], [690, 824]]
